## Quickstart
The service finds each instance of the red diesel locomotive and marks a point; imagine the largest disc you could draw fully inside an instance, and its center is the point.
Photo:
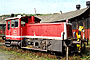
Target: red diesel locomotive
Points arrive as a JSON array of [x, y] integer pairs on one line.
[[28, 32]]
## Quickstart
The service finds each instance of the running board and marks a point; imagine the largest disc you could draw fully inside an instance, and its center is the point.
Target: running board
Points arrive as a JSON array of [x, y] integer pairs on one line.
[[33, 49]]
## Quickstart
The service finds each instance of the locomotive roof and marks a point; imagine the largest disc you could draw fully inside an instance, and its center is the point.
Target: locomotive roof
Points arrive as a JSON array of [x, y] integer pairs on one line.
[[63, 16], [20, 17], [11, 18]]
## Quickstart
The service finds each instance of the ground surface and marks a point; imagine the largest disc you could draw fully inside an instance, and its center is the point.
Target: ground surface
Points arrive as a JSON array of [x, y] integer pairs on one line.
[[4, 56], [11, 55], [19, 54]]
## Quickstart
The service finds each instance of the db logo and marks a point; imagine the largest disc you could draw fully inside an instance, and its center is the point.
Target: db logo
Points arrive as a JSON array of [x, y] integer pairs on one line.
[[14, 31]]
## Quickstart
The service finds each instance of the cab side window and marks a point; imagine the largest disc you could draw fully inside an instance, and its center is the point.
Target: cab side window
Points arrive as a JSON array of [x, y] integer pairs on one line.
[[12, 23], [8, 25], [16, 23], [24, 21]]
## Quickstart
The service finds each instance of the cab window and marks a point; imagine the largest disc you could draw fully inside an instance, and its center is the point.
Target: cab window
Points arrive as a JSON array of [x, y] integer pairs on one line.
[[8, 25], [14, 23], [24, 21]]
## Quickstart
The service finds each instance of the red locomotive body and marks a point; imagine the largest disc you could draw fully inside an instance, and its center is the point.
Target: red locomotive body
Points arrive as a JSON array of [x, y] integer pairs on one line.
[[37, 30], [28, 31]]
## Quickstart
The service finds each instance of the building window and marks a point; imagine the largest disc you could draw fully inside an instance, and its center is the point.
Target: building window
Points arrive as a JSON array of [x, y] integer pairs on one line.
[[73, 25], [86, 23], [80, 23]]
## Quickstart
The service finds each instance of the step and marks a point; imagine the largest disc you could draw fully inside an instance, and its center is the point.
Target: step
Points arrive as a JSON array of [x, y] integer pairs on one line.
[[33, 49]]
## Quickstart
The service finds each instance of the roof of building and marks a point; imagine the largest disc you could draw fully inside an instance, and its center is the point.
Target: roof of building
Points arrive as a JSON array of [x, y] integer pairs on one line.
[[57, 17], [63, 16]]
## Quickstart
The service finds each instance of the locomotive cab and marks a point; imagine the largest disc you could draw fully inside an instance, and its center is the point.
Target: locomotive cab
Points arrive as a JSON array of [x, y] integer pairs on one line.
[[14, 28]]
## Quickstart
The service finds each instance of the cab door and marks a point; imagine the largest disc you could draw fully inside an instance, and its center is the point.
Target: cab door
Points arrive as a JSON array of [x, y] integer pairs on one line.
[[8, 24], [15, 34]]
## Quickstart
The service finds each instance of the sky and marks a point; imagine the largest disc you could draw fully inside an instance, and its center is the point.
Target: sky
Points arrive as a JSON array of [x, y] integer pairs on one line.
[[42, 6]]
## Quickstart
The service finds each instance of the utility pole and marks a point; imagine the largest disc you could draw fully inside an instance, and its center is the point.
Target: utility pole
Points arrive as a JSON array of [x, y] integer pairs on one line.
[[35, 10], [68, 42], [67, 53]]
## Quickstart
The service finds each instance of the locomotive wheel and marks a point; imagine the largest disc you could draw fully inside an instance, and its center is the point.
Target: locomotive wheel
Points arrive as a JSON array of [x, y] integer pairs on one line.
[[24, 43]]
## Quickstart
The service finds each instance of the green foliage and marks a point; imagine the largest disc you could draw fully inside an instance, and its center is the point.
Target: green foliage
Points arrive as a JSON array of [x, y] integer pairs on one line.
[[9, 15]]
